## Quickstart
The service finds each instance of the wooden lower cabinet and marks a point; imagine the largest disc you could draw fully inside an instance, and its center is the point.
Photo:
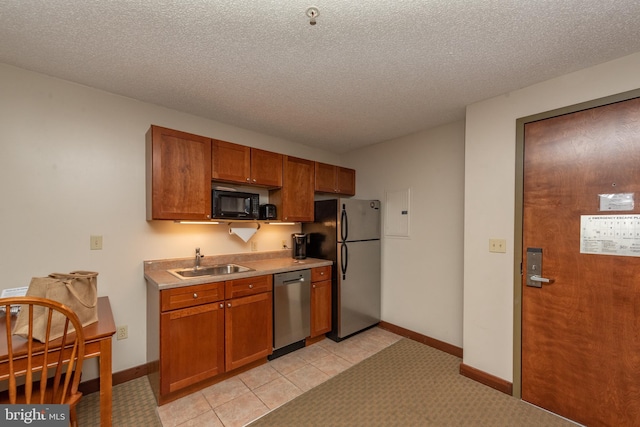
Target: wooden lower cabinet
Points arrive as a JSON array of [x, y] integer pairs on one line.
[[190, 351], [320, 301], [200, 334], [248, 329]]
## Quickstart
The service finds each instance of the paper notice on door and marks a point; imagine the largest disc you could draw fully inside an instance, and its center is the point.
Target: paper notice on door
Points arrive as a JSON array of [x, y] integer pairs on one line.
[[616, 202], [610, 235]]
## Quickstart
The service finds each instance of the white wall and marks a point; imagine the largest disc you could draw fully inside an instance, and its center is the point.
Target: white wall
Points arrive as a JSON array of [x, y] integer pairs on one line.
[[422, 274], [489, 201], [72, 165]]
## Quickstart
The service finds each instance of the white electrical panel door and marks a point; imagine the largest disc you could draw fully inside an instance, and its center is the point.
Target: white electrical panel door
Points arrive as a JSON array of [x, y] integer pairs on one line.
[[397, 213]]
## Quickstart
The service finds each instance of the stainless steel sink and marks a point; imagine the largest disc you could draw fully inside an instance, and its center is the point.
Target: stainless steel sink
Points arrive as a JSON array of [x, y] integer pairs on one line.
[[213, 270]]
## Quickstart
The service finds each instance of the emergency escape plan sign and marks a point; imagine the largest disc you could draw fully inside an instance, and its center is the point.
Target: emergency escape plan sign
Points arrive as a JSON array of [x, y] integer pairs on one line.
[[610, 235]]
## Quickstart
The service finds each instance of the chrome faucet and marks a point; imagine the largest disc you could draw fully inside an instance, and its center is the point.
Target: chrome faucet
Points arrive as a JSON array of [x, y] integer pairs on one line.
[[197, 262]]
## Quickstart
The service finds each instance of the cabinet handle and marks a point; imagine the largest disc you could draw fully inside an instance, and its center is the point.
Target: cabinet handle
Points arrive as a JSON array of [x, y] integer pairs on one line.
[[314, 286], [195, 295], [250, 286], [248, 179], [322, 273], [221, 305], [229, 304], [254, 180]]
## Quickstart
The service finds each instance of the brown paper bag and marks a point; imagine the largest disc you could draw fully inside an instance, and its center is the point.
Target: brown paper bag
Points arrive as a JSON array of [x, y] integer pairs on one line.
[[77, 290]]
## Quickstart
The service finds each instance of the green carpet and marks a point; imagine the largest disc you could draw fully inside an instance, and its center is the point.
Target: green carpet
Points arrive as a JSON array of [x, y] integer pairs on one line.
[[407, 384], [133, 406]]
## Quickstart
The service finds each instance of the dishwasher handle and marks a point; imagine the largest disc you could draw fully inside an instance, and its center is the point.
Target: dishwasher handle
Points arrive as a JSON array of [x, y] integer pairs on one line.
[[288, 282]]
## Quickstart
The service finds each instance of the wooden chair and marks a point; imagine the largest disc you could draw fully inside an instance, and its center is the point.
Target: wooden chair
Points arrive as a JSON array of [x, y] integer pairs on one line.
[[27, 357]]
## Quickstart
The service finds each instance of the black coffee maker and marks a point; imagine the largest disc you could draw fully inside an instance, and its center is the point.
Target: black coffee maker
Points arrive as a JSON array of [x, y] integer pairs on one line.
[[299, 245]]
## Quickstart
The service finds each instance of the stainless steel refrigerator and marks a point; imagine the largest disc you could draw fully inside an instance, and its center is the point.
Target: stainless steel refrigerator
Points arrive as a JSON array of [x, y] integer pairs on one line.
[[347, 232]]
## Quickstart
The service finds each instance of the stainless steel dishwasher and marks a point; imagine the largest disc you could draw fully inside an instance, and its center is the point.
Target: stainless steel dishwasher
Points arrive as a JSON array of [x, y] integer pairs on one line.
[[291, 311]]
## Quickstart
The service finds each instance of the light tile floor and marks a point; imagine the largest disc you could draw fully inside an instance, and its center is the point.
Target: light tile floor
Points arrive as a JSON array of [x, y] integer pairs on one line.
[[241, 399]]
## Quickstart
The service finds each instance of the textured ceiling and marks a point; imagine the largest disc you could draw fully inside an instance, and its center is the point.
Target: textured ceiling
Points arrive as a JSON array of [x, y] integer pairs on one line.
[[369, 71]]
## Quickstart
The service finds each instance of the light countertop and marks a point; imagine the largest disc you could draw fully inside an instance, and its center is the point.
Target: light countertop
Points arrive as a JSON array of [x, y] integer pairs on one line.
[[261, 263]]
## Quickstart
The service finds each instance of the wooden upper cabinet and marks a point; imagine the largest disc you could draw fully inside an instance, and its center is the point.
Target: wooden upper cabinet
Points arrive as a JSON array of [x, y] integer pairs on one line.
[[346, 181], [334, 179], [178, 175], [294, 201], [180, 167], [266, 168], [325, 178], [230, 162], [245, 165]]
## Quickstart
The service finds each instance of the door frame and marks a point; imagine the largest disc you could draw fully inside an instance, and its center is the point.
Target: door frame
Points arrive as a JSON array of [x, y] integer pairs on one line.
[[518, 223]]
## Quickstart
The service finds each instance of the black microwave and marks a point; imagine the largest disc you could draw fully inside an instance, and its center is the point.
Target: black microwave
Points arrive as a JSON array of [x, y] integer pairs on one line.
[[234, 205]]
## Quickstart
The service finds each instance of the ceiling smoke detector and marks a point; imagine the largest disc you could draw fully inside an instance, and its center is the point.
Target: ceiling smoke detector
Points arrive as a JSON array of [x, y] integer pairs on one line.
[[312, 14]]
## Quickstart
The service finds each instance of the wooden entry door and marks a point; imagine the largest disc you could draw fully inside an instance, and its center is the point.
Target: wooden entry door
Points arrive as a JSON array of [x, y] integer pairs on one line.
[[581, 332]]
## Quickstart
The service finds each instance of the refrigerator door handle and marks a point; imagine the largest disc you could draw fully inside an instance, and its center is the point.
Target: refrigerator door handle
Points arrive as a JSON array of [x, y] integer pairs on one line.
[[344, 261], [344, 226]]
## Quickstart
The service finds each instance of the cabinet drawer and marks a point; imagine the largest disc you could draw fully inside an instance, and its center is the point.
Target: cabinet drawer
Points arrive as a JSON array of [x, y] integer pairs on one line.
[[249, 286], [318, 274], [189, 296]]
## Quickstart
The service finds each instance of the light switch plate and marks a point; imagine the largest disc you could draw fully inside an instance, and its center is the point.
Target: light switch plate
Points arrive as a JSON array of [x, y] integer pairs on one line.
[[498, 245], [95, 243]]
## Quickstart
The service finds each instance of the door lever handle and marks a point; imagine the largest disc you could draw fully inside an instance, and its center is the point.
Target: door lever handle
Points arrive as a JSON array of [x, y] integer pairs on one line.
[[536, 281], [537, 278]]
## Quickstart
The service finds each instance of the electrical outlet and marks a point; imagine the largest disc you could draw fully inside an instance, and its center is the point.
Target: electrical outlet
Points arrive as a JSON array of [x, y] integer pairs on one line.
[[122, 332], [95, 243], [254, 245], [498, 245]]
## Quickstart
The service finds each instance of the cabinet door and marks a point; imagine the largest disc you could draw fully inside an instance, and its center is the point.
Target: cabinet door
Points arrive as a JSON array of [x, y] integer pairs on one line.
[[335, 179], [178, 175], [249, 329], [294, 200], [326, 181], [266, 168], [320, 308], [346, 181], [230, 162], [191, 345]]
